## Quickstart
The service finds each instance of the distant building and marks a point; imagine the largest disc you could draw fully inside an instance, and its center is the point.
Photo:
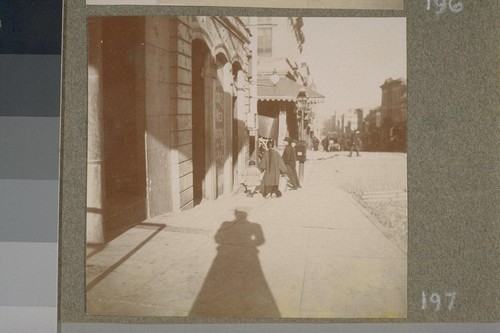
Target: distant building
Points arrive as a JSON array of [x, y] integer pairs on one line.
[[373, 130], [394, 114], [386, 126]]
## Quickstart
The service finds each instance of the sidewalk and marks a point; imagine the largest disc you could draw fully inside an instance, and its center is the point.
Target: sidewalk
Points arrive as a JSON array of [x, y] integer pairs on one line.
[[310, 254]]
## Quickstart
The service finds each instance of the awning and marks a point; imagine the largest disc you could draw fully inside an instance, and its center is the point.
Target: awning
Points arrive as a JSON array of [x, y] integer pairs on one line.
[[284, 90]]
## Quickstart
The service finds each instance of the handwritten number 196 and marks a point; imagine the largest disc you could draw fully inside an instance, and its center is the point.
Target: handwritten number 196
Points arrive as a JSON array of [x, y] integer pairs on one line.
[[443, 5]]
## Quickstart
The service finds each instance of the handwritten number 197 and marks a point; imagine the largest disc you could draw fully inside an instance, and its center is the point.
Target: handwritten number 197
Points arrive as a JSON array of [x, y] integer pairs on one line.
[[435, 299], [443, 5]]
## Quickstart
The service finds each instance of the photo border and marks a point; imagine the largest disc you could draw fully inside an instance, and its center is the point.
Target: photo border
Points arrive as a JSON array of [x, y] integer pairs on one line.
[[444, 254]]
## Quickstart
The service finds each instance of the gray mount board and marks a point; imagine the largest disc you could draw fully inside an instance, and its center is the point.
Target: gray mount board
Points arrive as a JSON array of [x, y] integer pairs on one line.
[[452, 157]]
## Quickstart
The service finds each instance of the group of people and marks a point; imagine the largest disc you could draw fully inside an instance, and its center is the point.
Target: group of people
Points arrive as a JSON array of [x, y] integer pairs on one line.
[[276, 168], [333, 143]]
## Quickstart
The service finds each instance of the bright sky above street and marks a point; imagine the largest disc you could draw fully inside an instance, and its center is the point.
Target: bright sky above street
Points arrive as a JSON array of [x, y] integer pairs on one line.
[[349, 58]]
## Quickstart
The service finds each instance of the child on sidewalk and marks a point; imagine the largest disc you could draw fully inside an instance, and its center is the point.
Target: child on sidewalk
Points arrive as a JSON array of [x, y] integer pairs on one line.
[[252, 179]]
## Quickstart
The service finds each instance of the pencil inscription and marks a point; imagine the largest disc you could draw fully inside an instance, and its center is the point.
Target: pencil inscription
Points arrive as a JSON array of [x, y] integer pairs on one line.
[[435, 299], [443, 5]]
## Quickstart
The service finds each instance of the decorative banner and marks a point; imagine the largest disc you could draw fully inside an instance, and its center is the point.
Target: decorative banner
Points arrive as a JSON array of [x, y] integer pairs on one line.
[[267, 126]]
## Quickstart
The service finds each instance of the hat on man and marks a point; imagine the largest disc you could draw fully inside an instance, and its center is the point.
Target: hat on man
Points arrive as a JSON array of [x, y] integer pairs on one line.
[[287, 139]]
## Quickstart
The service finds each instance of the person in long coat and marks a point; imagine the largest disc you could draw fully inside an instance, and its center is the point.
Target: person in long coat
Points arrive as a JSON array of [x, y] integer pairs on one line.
[[324, 143], [273, 165], [291, 163]]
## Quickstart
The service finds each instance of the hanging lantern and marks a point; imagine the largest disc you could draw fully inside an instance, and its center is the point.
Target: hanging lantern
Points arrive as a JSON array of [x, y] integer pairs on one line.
[[302, 99]]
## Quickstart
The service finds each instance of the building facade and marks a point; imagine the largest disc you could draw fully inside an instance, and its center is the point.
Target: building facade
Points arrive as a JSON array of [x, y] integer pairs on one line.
[[373, 130], [386, 126], [394, 114], [282, 73], [168, 109]]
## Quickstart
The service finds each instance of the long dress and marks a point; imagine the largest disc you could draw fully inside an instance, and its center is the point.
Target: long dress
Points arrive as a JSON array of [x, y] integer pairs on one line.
[[274, 166], [291, 169]]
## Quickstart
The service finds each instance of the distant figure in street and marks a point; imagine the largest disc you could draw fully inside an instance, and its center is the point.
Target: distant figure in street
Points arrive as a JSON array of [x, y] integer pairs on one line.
[[324, 143], [315, 143], [290, 160], [355, 143], [252, 178], [273, 165]]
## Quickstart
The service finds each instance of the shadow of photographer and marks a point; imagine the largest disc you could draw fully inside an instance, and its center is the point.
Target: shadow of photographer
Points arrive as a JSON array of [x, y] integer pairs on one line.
[[235, 284]]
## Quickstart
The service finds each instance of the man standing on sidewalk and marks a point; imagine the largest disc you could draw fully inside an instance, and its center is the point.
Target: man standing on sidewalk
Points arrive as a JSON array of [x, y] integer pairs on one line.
[[355, 143], [290, 160]]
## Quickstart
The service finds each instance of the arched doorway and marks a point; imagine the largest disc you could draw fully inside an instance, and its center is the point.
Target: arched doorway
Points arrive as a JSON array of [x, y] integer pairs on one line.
[[200, 53]]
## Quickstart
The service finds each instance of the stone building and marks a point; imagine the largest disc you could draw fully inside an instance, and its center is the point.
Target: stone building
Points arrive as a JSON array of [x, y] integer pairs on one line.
[[386, 125], [394, 114], [168, 104]]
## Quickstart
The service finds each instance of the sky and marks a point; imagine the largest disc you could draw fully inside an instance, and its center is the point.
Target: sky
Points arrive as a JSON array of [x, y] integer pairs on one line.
[[350, 58]]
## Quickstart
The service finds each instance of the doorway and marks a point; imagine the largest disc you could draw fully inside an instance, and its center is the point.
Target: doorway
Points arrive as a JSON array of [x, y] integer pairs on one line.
[[199, 55]]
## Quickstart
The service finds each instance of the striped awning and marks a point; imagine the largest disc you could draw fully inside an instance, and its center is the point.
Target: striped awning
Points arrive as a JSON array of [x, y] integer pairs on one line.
[[284, 90]]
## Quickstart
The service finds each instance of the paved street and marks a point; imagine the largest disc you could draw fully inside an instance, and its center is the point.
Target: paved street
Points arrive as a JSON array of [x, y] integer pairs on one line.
[[333, 249], [378, 183]]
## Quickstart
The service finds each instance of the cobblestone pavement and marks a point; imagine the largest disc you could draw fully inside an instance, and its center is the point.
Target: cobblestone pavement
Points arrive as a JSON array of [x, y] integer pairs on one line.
[[378, 182]]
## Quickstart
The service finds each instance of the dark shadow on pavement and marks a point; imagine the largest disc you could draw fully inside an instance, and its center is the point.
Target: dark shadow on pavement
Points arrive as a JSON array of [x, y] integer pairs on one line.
[[235, 285], [125, 257]]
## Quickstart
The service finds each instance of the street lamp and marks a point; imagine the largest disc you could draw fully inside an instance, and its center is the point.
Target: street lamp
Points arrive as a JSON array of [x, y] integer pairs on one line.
[[302, 105]]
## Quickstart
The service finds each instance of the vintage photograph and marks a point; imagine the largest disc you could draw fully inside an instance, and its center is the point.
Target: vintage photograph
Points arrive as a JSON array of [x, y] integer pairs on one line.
[[249, 167]]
